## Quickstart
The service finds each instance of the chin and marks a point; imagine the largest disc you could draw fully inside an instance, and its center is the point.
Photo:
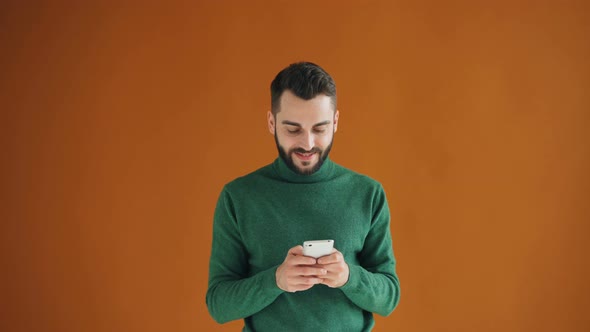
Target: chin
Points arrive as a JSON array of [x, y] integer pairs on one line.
[[306, 168]]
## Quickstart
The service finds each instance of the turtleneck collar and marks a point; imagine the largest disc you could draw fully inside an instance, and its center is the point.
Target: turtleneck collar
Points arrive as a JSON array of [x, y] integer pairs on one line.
[[320, 175]]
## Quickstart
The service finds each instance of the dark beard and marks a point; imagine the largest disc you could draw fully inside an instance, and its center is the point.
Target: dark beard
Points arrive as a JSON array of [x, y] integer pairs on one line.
[[289, 161]]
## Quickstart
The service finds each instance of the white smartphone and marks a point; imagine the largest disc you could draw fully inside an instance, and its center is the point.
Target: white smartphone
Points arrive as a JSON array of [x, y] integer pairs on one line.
[[318, 248]]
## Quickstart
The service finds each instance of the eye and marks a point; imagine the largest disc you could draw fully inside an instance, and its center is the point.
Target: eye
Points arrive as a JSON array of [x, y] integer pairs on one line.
[[320, 130], [292, 130]]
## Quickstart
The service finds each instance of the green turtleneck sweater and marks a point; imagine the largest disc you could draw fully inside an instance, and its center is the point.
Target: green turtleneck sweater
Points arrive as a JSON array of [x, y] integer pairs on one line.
[[260, 216]]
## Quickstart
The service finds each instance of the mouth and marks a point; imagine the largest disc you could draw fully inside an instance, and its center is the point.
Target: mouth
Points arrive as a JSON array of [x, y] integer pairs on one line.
[[305, 156]]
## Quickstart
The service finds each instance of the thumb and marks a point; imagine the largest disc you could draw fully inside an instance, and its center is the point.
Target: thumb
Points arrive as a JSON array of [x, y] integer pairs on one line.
[[297, 250]]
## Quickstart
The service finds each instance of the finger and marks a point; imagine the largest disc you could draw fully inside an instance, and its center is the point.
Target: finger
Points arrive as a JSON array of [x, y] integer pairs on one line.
[[330, 259], [310, 271], [332, 275], [295, 257], [308, 281], [302, 287], [302, 283], [336, 276], [297, 250], [302, 260]]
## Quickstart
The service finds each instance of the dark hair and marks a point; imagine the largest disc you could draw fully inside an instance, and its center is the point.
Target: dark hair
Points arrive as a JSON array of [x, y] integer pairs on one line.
[[305, 80]]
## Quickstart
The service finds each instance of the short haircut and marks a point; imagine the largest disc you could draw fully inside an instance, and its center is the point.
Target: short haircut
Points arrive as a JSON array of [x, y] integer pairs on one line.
[[305, 80]]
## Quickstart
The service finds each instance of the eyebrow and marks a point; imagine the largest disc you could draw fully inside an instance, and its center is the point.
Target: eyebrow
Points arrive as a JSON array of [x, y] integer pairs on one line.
[[291, 123]]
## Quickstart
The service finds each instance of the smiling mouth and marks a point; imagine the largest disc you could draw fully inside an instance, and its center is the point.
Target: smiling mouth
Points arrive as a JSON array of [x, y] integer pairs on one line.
[[305, 156]]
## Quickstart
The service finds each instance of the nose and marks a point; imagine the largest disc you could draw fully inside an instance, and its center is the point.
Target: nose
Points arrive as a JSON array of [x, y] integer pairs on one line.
[[307, 141]]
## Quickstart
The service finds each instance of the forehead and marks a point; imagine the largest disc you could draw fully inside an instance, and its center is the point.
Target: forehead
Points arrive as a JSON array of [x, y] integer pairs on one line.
[[303, 111]]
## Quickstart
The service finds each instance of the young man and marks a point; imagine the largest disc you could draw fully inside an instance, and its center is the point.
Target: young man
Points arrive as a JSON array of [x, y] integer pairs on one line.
[[257, 269]]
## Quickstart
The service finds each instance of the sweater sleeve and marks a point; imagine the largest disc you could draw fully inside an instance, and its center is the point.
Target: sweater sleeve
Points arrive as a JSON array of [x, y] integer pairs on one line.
[[231, 293], [373, 285]]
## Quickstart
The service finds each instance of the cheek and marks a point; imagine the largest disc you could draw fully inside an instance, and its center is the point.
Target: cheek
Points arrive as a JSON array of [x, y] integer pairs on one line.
[[323, 141], [286, 142]]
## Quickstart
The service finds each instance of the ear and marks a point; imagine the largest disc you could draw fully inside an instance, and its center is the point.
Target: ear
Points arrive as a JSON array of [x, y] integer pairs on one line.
[[271, 122], [336, 115]]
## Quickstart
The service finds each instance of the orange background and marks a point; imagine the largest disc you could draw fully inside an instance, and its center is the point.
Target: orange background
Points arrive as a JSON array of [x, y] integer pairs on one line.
[[121, 123]]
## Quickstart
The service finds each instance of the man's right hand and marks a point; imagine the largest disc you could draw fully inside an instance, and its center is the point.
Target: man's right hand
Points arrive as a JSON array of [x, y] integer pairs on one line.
[[298, 272]]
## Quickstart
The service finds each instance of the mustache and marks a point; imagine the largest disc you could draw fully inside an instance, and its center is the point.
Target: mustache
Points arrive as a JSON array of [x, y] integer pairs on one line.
[[301, 150]]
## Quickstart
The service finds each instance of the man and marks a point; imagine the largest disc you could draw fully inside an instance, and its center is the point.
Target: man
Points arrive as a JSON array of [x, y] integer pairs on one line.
[[257, 269]]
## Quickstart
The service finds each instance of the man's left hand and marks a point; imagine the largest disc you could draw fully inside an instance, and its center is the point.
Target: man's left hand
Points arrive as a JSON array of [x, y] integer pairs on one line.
[[337, 269]]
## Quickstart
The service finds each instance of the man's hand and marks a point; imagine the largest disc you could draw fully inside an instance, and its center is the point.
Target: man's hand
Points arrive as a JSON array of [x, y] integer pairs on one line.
[[337, 269], [298, 272]]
